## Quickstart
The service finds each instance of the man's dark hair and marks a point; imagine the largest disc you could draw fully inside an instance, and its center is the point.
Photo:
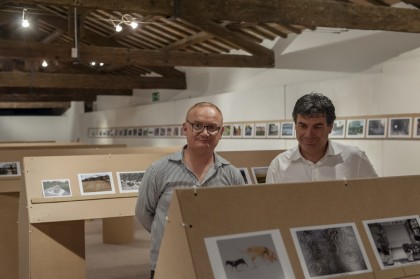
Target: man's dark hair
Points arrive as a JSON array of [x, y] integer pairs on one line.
[[313, 105]]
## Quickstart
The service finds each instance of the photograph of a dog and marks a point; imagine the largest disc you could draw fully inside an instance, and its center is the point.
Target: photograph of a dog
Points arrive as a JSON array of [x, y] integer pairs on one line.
[[249, 255]]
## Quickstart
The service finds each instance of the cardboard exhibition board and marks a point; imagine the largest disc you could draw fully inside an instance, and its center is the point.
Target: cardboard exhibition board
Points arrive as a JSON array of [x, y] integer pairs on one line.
[[198, 216], [51, 229], [10, 189]]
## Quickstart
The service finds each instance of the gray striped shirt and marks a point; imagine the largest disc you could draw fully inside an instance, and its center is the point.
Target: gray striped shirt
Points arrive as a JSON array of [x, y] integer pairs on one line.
[[157, 186]]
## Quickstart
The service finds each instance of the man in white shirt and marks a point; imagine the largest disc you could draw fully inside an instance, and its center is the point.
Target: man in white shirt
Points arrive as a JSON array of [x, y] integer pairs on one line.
[[317, 158]]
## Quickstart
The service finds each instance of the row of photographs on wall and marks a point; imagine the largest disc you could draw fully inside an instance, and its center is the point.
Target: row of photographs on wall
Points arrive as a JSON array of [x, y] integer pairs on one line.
[[384, 127], [128, 182], [325, 251]]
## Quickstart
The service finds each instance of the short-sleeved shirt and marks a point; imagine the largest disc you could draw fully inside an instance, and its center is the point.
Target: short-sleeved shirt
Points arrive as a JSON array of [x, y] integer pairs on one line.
[[339, 162], [157, 186]]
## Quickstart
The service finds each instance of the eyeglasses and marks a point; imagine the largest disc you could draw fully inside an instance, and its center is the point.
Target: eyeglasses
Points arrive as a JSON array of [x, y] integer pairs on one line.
[[199, 127]]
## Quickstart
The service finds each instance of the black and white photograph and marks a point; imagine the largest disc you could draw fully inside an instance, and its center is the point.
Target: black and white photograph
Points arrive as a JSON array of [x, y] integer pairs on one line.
[[96, 183], [287, 130], [54, 188], [249, 255], [331, 250], [260, 130], [10, 169], [259, 174], [248, 131], [273, 130], [355, 128], [416, 131], [399, 127], [376, 128], [245, 175], [236, 130], [339, 129], [395, 241], [129, 181]]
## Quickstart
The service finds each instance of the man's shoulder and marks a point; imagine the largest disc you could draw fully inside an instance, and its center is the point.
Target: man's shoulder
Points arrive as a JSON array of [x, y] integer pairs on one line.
[[345, 148]]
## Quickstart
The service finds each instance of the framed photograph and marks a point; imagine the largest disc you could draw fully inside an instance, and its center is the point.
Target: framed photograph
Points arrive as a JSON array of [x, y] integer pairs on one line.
[[96, 183], [169, 131], [416, 130], [399, 127], [339, 129], [8, 169], [176, 131], [273, 130], [248, 131], [395, 241], [250, 255], [330, 251], [54, 188], [287, 129], [260, 130], [259, 174], [356, 128], [236, 130], [245, 175], [162, 131], [227, 132], [130, 181], [376, 128]]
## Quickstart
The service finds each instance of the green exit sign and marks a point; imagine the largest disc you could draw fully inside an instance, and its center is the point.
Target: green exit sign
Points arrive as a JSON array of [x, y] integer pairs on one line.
[[155, 96]]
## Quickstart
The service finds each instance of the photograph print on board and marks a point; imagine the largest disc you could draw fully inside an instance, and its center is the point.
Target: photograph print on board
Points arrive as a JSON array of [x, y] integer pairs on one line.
[[416, 131], [395, 241], [339, 128], [260, 130], [330, 251], [96, 183], [129, 181], [376, 128], [248, 130], [54, 188], [10, 169], [273, 130], [355, 128], [259, 174], [245, 175], [249, 255], [287, 129], [399, 127], [236, 130]]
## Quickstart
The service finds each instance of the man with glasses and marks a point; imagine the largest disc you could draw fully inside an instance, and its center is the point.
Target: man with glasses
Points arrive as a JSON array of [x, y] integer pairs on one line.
[[196, 165]]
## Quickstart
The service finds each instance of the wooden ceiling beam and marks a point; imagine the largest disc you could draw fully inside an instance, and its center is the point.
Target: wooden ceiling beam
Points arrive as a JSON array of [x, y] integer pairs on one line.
[[54, 80], [128, 56], [35, 105]]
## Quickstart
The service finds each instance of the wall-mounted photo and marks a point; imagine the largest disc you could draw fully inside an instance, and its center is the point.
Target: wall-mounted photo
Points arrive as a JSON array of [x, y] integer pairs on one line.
[[376, 127], [129, 181], [273, 130], [251, 255], [339, 129], [259, 174], [9, 169], [356, 128], [416, 131], [248, 131], [236, 130], [227, 132], [399, 127], [260, 130], [395, 241], [287, 129], [330, 251], [56, 188], [245, 175], [96, 183]]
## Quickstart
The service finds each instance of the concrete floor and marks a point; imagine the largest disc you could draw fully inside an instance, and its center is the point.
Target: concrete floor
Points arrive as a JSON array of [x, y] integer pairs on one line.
[[109, 261]]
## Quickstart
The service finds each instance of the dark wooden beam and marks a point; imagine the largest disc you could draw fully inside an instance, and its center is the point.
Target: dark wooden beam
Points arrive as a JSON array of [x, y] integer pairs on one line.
[[35, 105], [127, 56], [53, 80]]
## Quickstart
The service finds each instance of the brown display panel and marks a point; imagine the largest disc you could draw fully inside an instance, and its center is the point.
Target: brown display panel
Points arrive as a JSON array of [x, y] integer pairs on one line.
[[207, 212], [43, 221], [10, 188]]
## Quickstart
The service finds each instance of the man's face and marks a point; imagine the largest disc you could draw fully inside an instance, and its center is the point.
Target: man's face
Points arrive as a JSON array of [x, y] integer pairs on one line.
[[204, 140], [312, 134]]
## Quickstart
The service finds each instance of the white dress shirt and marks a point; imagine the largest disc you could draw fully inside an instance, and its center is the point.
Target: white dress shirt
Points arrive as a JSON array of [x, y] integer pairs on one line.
[[339, 162]]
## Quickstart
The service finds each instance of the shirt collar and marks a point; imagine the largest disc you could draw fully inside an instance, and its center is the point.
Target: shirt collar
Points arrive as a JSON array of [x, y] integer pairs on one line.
[[218, 161], [332, 150]]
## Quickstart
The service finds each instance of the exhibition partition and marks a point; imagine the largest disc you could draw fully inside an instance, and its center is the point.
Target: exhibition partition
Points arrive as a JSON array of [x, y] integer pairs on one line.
[[362, 228]]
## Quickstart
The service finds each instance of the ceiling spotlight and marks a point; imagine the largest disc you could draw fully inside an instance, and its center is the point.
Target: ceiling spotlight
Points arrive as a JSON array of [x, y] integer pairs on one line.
[[101, 64], [25, 22], [93, 63], [44, 64], [118, 28], [134, 24]]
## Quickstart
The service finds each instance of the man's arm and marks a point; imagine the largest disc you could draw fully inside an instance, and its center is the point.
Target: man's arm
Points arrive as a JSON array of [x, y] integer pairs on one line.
[[147, 199]]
